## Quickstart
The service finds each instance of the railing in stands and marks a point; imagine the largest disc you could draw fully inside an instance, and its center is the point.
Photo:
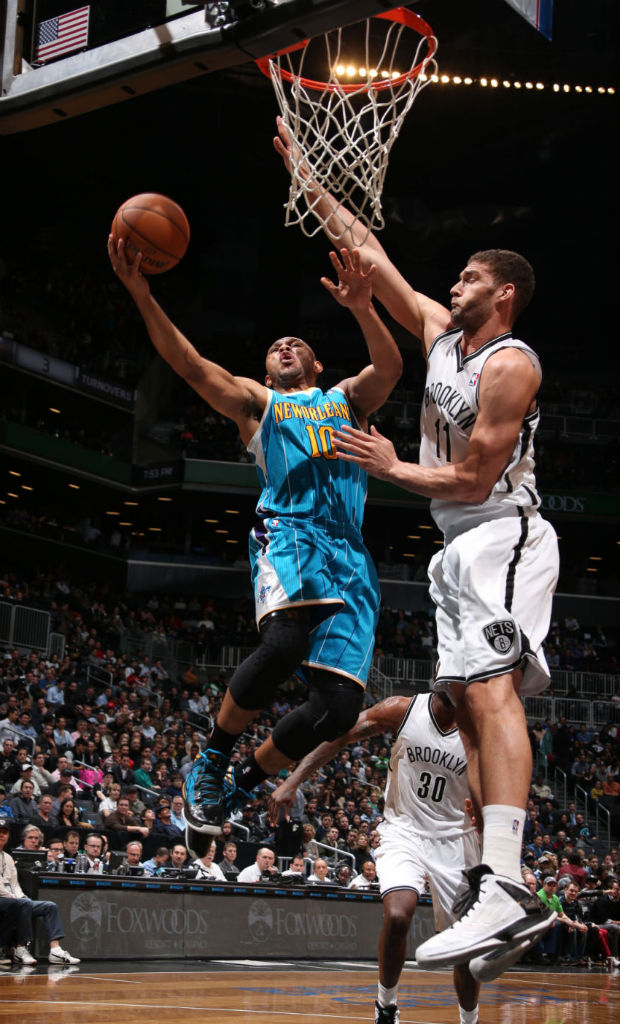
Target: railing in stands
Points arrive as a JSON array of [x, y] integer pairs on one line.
[[561, 787], [603, 815]]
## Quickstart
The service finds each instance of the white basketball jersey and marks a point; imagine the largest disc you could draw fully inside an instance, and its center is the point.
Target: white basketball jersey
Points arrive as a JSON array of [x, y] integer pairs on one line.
[[449, 411], [427, 778]]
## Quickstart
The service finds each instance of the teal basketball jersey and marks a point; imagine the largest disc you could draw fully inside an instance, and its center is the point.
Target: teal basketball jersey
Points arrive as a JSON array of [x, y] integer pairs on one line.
[[298, 470]]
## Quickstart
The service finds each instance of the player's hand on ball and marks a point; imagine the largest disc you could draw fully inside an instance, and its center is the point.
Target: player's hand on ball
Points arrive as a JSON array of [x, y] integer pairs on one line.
[[373, 452], [128, 273]]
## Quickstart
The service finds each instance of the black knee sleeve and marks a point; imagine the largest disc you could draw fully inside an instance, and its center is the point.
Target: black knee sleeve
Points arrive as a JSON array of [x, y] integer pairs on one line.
[[283, 646], [330, 711]]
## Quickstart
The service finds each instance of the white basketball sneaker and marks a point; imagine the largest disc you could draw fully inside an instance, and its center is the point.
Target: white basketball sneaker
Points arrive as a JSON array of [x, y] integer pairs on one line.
[[496, 910], [489, 967]]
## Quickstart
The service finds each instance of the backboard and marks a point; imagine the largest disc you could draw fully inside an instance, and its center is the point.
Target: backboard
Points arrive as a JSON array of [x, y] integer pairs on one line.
[[111, 52]]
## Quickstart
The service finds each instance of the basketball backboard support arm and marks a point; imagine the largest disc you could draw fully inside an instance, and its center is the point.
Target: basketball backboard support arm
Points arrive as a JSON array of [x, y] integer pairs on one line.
[[155, 57]]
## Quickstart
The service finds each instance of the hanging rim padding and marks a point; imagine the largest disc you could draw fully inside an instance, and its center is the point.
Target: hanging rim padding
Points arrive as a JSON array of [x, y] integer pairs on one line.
[[399, 14]]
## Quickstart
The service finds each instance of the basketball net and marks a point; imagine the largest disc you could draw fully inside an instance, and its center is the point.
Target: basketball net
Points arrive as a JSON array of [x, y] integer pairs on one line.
[[342, 132]]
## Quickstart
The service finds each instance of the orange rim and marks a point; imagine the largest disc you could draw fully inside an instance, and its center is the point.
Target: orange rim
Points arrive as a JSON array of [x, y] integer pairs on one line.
[[398, 14]]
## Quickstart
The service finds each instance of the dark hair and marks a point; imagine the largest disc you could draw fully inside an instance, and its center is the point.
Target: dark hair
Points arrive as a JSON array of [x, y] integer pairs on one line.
[[509, 267]]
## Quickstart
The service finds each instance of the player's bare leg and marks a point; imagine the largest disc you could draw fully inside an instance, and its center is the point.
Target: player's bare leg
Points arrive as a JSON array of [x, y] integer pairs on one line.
[[467, 989], [501, 911], [398, 909]]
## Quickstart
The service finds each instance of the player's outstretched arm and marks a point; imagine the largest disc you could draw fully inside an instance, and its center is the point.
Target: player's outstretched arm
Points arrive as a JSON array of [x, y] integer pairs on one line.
[[372, 386], [420, 315], [386, 716], [507, 390], [240, 398]]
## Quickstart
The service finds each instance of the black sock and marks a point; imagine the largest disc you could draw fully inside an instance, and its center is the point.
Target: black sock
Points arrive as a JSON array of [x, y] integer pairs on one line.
[[222, 741], [249, 774]]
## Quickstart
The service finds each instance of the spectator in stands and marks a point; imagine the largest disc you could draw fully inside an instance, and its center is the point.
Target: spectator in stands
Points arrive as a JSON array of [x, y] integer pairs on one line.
[[177, 817], [296, 869], [611, 785], [93, 848], [546, 950], [133, 855], [157, 862], [31, 838], [320, 872], [122, 820], [40, 776], [6, 810], [142, 775], [71, 844], [309, 845], [606, 913], [179, 857], [229, 856], [110, 802], [63, 776], [163, 825], [262, 869], [362, 851], [148, 818], [54, 849], [28, 911], [62, 737], [123, 772], [69, 815], [45, 818], [24, 805], [25, 775], [367, 876], [250, 818], [136, 805], [206, 868], [343, 875], [573, 940]]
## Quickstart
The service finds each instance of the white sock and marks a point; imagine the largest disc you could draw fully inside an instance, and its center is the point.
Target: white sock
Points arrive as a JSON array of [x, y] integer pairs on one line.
[[387, 996], [468, 1016], [501, 839]]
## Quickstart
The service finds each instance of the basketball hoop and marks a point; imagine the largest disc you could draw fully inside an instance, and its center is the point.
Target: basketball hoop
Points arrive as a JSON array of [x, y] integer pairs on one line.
[[342, 128]]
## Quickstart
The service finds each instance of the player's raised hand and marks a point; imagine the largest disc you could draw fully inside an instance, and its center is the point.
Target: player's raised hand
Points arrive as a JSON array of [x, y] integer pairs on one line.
[[354, 288], [129, 273], [282, 798], [373, 452], [290, 152]]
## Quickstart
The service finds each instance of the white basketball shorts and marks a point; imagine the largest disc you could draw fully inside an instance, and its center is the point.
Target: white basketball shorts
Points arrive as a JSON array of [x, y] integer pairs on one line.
[[405, 862], [493, 587]]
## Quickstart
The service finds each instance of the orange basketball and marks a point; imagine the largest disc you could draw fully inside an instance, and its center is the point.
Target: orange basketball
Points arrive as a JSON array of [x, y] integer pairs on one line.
[[155, 226]]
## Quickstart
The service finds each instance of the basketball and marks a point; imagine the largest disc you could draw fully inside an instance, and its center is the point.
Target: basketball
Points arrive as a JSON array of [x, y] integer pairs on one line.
[[155, 226]]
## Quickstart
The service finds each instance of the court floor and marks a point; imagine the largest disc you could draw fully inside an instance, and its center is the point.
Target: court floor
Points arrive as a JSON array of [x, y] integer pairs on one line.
[[221, 992]]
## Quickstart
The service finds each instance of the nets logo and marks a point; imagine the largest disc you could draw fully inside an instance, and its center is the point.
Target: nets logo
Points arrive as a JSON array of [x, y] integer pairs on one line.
[[500, 635], [260, 920]]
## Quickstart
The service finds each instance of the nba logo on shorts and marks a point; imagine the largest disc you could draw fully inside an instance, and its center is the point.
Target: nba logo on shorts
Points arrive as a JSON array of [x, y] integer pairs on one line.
[[515, 826]]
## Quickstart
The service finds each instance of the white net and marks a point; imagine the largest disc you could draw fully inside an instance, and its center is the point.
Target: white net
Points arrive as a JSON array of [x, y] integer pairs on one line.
[[342, 131]]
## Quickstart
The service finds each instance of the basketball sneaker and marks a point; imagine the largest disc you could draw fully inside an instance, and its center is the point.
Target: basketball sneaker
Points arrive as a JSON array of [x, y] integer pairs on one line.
[[496, 910], [387, 1014], [489, 967], [22, 955], [205, 790], [60, 956]]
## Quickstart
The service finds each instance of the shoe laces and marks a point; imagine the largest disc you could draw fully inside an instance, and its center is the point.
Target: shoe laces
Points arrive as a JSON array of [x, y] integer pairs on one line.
[[209, 785], [464, 902]]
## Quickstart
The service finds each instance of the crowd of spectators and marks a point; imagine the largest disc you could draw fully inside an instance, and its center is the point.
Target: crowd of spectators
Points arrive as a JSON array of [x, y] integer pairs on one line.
[[95, 745]]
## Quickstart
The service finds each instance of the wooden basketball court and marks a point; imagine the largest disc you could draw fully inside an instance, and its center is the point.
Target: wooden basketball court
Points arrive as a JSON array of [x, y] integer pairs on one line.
[[309, 993]]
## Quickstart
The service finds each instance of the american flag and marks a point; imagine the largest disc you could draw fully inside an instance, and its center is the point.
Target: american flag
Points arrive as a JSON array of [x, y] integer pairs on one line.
[[62, 34]]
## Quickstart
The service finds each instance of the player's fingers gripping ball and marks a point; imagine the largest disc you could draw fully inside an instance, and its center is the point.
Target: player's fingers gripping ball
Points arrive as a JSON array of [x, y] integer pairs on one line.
[[154, 225]]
